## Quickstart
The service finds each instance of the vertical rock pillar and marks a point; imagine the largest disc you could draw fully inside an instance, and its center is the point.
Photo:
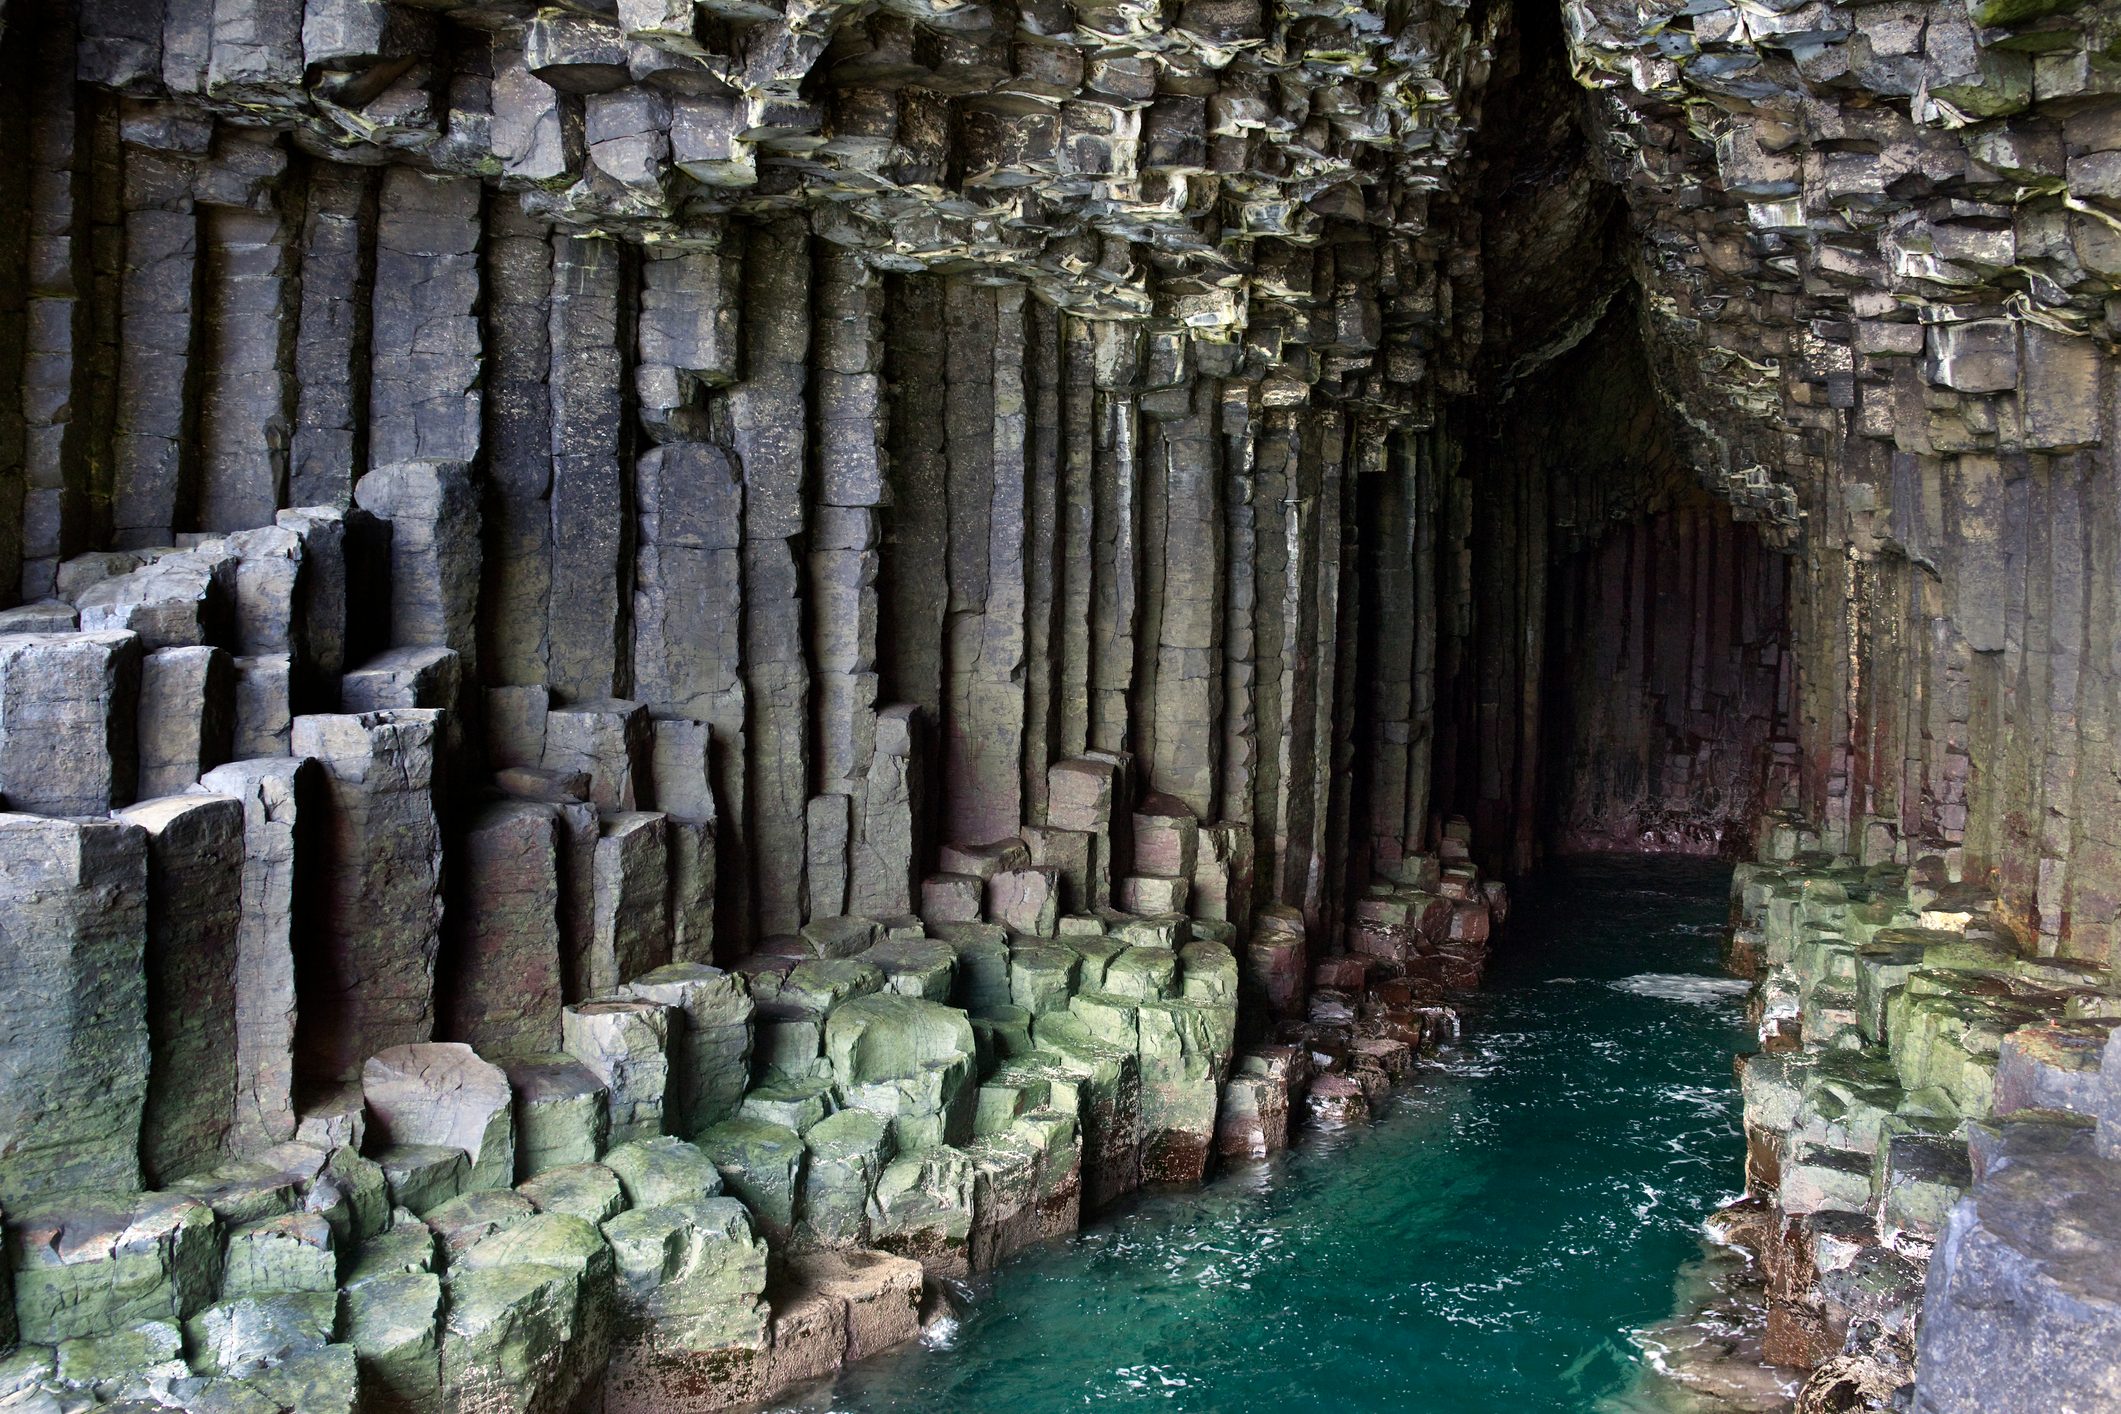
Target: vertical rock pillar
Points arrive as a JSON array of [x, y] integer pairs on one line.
[[370, 982], [195, 846], [73, 1005]]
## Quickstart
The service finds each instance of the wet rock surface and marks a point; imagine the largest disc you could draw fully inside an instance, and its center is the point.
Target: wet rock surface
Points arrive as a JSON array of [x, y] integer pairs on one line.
[[1922, 1125]]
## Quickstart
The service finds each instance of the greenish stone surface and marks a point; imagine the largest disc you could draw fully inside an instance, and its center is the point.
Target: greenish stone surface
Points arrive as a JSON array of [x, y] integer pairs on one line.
[[423, 1177], [562, 1113], [407, 1246], [590, 1192], [519, 1339], [1096, 951], [841, 937], [907, 1060], [1143, 974], [1001, 1034], [762, 1164], [93, 1267], [393, 1324], [792, 1104], [353, 1194], [982, 962], [847, 1155], [924, 1209], [710, 1050], [664, 1170], [1818, 1179], [545, 1240], [789, 1041], [915, 967], [696, 1272], [289, 1253], [108, 1363], [1208, 973], [317, 1381], [820, 986], [470, 1218], [240, 1336], [1042, 976]]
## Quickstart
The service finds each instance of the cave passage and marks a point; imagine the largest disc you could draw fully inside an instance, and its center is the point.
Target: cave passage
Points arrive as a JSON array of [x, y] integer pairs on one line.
[[1563, 636], [1610, 663], [1489, 1244]]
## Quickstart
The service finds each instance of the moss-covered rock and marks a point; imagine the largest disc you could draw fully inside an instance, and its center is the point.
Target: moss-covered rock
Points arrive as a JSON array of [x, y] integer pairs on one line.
[[762, 1164], [93, 1267], [590, 1192], [847, 1155], [691, 1275], [653, 1172]]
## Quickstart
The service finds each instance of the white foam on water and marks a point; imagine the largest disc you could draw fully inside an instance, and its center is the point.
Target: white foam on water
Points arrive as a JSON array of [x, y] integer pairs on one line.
[[1683, 987], [940, 1333]]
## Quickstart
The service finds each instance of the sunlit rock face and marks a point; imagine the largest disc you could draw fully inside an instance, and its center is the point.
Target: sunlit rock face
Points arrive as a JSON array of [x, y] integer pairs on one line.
[[669, 668]]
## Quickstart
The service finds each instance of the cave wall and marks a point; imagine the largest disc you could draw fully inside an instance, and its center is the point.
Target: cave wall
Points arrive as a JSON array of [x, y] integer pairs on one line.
[[1669, 705], [820, 426], [523, 498], [1876, 256], [586, 585]]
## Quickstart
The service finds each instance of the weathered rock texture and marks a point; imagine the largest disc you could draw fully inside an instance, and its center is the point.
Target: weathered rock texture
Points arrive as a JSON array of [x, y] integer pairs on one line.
[[894, 617]]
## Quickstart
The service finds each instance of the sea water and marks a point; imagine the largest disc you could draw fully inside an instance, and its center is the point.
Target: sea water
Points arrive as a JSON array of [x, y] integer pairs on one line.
[[1520, 1208]]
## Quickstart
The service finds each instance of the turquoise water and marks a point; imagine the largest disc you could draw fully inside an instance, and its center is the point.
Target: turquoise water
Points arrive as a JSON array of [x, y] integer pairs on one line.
[[1487, 1245]]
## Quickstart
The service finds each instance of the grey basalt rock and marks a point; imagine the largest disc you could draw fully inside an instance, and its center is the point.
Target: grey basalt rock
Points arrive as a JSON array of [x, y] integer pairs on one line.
[[195, 862], [178, 600], [710, 1048], [73, 903], [655, 1172], [502, 953], [379, 909], [278, 856], [94, 1266], [562, 1113], [2021, 1290], [442, 1094], [625, 1044], [630, 902], [187, 717], [906, 1060], [68, 736]]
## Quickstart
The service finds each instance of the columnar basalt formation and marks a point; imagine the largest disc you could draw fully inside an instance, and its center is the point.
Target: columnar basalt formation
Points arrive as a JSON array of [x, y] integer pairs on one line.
[[669, 666]]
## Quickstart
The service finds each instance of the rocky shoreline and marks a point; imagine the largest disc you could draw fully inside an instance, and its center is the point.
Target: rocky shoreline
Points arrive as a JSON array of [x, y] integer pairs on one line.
[[1931, 1146], [697, 1186]]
